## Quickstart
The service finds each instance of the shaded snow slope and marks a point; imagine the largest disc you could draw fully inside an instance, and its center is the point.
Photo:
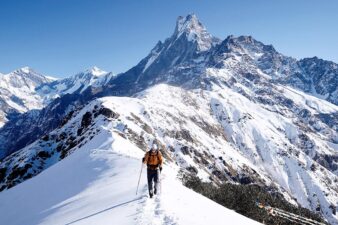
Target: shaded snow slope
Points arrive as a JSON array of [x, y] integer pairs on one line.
[[96, 185]]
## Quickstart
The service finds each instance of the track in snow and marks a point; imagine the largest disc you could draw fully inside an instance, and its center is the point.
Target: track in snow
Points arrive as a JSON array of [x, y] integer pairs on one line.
[[151, 211]]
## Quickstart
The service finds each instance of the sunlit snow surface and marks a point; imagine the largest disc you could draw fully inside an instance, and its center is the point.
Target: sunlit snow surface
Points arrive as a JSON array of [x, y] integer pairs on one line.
[[247, 135], [97, 185]]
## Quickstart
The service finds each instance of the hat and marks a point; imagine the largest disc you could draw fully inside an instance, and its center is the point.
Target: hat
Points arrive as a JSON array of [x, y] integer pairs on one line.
[[154, 147]]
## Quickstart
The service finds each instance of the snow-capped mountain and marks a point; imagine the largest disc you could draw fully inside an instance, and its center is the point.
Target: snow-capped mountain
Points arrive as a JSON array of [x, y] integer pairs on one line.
[[47, 100], [189, 41], [24, 89], [185, 44], [315, 76], [17, 92], [94, 77], [229, 111]]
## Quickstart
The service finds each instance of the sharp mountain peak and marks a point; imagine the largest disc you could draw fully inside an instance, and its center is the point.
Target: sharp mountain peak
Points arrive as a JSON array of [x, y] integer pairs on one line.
[[95, 71]]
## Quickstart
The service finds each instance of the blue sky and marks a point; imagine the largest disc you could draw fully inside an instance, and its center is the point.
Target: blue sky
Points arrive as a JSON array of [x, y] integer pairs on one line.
[[63, 37]]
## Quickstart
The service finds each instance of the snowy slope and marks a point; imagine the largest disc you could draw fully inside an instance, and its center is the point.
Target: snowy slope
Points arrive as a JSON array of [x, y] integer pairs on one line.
[[96, 185], [217, 134]]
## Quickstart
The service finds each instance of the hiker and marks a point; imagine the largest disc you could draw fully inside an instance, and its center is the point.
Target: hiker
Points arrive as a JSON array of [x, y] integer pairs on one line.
[[153, 160]]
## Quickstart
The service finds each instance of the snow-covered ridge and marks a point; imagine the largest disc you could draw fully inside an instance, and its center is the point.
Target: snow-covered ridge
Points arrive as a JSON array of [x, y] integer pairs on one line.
[[207, 132], [94, 186]]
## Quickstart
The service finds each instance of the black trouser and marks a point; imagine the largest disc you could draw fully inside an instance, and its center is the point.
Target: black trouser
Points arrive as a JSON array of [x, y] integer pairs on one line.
[[153, 175]]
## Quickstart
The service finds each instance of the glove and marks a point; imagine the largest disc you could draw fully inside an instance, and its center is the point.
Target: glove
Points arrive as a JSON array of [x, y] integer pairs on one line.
[[160, 169]]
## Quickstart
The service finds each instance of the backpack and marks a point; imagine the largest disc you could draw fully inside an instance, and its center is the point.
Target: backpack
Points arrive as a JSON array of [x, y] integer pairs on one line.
[[151, 160]]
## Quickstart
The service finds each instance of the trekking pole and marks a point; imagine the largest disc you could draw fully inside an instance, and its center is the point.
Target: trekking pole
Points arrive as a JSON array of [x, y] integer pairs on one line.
[[160, 182], [139, 178]]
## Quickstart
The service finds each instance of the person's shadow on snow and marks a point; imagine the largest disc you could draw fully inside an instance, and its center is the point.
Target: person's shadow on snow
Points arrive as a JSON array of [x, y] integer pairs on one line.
[[104, 210]]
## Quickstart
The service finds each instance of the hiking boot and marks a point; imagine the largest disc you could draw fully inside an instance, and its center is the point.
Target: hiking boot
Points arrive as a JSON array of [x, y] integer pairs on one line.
[[150, 195], [155, 191]]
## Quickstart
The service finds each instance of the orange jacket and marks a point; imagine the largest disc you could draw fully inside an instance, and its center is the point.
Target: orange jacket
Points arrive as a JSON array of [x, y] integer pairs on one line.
[[153, 159]]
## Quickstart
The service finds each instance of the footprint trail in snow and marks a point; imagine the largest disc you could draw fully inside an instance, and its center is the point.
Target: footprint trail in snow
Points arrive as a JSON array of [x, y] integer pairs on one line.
[[152, 213]]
